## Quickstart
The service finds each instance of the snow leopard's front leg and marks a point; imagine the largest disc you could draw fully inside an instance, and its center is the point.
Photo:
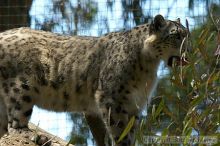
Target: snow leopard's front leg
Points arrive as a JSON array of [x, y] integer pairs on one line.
[[97, 127], [116, 117]]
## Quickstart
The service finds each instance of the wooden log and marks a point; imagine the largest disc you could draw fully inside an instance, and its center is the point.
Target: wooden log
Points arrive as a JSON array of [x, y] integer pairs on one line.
[[24, 138]]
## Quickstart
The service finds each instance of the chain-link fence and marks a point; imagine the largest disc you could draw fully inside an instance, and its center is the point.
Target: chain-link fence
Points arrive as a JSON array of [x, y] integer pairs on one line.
[[95, 18]]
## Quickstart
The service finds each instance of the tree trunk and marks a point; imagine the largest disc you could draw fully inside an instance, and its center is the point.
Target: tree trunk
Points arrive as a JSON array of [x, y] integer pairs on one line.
[[14, 13]]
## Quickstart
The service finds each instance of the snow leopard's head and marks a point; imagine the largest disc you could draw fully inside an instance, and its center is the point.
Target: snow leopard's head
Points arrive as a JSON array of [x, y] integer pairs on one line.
[[167, 40]]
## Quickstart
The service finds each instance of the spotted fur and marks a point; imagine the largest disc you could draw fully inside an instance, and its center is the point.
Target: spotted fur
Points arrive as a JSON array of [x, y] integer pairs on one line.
[[111, 76]]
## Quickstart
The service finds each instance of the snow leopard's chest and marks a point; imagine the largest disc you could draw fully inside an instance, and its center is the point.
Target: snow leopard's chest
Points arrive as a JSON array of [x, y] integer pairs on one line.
[[142, 93]]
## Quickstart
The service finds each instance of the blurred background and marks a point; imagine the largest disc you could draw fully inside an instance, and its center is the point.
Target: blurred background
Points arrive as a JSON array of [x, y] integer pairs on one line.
[[181, 106]]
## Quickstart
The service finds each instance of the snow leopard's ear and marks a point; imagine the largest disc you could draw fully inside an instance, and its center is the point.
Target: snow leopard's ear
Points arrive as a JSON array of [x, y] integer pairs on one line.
[[178, 21], [158, 23]]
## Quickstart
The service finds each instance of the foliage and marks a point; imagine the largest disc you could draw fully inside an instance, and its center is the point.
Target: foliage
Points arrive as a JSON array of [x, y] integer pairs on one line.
[[80, 132], [190, 106], [134, 7], [127, 129], [74, 16]]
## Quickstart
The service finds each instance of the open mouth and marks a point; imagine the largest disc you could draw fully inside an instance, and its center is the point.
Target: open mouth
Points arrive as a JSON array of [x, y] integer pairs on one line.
[[177, 61]]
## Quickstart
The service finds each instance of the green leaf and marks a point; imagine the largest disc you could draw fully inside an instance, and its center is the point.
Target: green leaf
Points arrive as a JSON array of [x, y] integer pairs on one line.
[[159, 109], [165, 132], [188, 134], [127, 129], [186, 126], [153, 111], [205, 113], [196, 101], [211, 36]]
